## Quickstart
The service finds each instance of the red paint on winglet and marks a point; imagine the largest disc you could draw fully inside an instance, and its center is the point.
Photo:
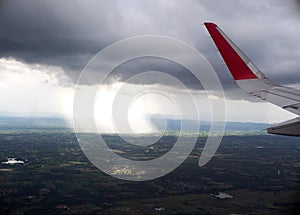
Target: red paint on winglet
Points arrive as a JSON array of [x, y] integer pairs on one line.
[[235, 64]]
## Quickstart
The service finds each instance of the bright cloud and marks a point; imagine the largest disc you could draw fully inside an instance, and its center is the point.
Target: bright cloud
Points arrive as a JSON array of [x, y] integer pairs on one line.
[[28, 89]]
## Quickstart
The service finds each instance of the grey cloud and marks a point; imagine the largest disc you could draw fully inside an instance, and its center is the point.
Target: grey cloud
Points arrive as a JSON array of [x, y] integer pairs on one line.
[[62, 33], [68, 33], [142, 65]]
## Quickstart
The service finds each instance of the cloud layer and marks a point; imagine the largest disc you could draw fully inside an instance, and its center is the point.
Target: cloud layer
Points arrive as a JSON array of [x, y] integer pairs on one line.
[[68, 33], [44, 45]]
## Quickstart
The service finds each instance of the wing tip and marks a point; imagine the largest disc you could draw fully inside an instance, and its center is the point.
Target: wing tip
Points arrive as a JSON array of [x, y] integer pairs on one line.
[[233, 57], [210, 24]]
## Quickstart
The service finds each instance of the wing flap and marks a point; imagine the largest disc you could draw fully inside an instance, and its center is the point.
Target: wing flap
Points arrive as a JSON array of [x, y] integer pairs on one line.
[[290, 127], [281, 98]]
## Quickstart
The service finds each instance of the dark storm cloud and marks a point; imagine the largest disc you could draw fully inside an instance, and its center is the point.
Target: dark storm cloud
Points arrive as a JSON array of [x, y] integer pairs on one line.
[[68, 33], [61, 33], [125, 71]]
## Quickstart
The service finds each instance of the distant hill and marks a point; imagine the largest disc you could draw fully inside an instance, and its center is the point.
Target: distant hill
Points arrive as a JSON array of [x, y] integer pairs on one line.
[[174, 125], [33, 123]]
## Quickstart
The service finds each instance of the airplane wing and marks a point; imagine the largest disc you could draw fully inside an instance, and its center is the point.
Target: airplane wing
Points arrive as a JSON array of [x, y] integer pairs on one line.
[[253, 81]]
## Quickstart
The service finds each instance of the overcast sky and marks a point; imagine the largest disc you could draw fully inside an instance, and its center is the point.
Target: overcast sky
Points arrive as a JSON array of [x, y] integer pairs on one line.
[[44, 45]]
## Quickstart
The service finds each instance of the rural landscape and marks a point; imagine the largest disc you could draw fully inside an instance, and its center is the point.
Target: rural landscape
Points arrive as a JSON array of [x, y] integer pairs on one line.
[[252, 173]]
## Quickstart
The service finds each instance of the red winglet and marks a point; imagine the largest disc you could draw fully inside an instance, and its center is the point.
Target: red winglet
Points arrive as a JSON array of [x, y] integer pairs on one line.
[[235, 63]]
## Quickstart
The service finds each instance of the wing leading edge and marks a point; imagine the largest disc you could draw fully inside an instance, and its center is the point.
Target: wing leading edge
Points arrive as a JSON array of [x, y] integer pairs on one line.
[[252, 80]]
